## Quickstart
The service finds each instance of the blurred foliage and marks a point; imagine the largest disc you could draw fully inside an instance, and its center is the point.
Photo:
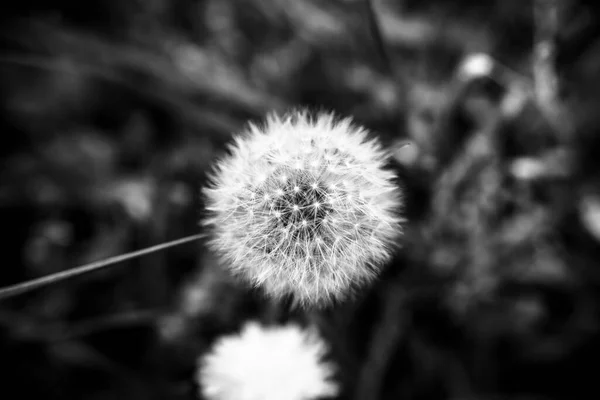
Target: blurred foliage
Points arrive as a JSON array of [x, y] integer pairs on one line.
[[111, 113]]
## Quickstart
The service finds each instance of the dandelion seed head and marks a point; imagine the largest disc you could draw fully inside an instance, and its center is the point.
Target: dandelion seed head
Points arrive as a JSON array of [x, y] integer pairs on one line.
[[267, 363], [343, 183]]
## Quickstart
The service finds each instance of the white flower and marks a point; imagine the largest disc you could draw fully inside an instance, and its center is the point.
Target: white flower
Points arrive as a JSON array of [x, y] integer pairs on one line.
[[277, 363], [304, 207]]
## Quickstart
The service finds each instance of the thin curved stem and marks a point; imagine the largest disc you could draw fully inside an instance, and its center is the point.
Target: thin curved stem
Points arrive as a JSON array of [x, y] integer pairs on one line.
[[20, 288]]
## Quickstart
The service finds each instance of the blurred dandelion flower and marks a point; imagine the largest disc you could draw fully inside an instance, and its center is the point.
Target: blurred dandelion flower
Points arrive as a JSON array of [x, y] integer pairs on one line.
[[303, 206], [262, 363]]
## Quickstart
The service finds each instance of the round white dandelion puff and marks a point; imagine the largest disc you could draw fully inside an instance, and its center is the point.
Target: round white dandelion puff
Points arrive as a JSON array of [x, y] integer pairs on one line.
[[304, 207], [267, 363]]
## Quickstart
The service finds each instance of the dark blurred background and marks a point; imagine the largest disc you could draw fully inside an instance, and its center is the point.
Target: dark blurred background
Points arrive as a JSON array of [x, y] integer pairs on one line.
[[111, 113]]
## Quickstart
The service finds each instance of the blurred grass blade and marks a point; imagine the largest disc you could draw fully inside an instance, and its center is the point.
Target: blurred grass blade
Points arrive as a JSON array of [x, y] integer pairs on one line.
[[377, 34]]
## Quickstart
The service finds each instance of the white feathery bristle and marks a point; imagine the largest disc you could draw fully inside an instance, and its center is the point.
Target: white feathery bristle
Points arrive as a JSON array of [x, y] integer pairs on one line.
[[267, 363], [304, 207]]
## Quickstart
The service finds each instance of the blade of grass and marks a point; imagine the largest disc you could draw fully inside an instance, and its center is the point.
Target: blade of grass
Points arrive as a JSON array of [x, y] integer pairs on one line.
[[20, 288]]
